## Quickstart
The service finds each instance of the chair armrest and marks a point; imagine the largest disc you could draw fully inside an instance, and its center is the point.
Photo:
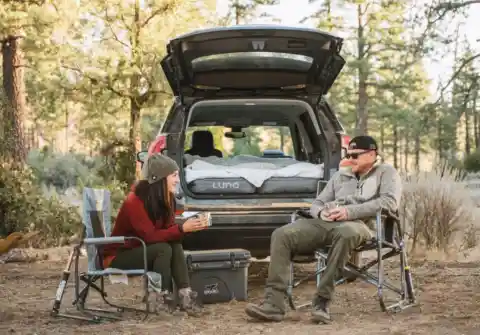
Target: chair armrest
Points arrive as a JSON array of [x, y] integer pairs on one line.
[[104, 240], [97, 241], [390, 215], [387, 226]]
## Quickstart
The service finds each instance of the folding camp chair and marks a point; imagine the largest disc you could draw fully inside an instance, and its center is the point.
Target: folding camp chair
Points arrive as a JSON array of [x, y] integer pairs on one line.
[[388, 243], [97, 224]]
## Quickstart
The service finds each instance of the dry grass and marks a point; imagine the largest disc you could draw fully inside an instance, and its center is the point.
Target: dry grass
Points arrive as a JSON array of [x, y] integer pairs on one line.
[[438, 213]]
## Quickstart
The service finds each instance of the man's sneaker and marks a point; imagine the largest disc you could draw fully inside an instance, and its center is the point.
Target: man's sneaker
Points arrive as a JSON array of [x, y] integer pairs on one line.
[[320, 311], [265, 312]]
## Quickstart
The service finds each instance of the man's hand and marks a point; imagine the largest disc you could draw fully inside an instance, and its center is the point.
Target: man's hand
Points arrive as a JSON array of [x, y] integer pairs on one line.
[[338, 214]]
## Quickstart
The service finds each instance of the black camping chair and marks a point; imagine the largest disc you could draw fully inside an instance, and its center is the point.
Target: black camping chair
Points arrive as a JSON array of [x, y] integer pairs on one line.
[[388, 242]]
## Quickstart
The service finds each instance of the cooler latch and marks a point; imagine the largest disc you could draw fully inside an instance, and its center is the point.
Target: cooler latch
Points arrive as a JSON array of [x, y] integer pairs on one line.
[[234, 263]]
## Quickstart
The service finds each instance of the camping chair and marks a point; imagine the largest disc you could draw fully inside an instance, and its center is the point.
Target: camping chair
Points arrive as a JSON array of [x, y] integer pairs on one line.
[[96, 221], [389, 236]]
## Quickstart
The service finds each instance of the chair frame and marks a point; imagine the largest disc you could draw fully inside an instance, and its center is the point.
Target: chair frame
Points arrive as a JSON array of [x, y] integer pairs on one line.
[[389, 235], [95, 271]]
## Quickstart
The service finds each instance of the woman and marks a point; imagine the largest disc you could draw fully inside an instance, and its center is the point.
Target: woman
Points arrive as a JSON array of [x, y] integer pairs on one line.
[[148, 212]]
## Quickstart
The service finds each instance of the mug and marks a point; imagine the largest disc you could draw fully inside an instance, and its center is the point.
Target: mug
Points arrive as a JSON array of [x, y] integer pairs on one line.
[[207, 216]]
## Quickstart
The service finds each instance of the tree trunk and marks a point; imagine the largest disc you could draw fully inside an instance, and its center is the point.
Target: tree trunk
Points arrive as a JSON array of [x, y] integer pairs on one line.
[[440, 140], [382, 138], [395, 146], [406, 153], [135, 104], [362, 117], [134, 133], [475, 119], [13, 138], [282, 138], [238, 15], [417, 152], [467, 131]]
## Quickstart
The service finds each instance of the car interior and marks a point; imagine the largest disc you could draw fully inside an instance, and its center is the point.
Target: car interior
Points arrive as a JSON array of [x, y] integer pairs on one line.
[[245, 167]]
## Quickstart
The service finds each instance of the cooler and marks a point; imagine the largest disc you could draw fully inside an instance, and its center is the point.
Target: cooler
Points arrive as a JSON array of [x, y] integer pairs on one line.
[[219, 275]]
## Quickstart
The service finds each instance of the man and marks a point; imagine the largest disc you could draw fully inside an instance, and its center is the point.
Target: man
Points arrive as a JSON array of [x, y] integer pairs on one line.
[[344, 214]]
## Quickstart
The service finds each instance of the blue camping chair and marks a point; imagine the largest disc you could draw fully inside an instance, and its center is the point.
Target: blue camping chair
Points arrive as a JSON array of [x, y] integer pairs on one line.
[[97, 231]]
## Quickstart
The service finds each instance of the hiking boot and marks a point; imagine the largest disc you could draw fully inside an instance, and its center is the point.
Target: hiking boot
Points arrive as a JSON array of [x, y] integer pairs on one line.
[[266, 311], [188, 302], [161, 302], [320, 311], [271, 309]]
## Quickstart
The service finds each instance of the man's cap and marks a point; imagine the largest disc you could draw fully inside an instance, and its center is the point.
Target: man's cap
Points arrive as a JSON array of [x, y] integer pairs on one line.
[[157, 167], [363, 142]]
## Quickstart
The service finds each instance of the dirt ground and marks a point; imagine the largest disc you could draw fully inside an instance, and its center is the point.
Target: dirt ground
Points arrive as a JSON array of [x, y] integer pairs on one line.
[[448, 294]]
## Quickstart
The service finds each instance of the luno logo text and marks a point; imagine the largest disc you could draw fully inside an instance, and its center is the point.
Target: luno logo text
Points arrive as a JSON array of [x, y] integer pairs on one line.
[[225, 185]]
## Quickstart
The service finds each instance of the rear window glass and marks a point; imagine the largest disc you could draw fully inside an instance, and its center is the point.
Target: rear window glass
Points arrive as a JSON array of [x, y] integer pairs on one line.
[[253, 60], [260, 141]]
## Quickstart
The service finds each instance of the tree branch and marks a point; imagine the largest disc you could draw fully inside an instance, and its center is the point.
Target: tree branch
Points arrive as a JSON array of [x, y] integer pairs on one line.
[[448, 6], [107, 84], [24, 66], [455, 75], [165, 8], [115, 36]]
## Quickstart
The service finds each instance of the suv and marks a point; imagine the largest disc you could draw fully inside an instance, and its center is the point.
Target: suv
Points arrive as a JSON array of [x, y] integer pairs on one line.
[[237, 80]]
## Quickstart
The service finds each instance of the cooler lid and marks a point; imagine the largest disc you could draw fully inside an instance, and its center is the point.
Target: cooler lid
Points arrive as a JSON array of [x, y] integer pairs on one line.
[[219, 255]]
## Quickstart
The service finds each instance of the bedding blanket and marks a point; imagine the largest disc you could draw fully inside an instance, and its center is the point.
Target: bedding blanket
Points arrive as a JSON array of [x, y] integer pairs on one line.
[[256, 170]]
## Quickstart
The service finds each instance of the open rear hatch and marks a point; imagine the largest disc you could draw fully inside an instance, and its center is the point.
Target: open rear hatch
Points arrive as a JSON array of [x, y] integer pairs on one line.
[[252, 60]]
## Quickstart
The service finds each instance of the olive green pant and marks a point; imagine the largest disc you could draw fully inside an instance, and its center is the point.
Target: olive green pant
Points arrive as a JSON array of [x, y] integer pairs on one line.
[[167, 259], [305, 236]]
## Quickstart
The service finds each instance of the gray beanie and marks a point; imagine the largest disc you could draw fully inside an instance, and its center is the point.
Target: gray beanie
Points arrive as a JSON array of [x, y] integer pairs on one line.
[[157, 167]]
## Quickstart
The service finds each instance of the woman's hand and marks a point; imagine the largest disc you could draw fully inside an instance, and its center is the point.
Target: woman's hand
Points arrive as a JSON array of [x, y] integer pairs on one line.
[[194, 224]]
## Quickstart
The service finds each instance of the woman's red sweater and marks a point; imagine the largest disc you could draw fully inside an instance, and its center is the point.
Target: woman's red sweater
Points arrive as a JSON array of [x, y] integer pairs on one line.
[[133, 220]]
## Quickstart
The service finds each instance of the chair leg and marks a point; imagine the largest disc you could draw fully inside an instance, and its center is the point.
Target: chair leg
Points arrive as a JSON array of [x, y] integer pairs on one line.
[[405, 291], [61, 290], [407, 276], [291, 280], [320, 267]]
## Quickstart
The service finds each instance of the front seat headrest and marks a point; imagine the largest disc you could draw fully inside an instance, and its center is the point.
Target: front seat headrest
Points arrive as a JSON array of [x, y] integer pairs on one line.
[[203, 139]]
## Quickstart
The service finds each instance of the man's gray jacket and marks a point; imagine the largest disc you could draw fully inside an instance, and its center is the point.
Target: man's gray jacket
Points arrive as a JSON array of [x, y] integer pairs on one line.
[[378, 189]]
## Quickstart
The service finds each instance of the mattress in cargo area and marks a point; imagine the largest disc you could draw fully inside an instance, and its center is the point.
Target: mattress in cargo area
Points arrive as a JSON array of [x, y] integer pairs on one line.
[[273, 185], [277, 185], [221, 186]]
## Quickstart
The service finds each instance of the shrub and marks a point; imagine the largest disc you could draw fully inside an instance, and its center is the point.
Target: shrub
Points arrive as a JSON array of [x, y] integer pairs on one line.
[[23, 207], [438, 212], [471, 163], [63, 170], [71, 170]]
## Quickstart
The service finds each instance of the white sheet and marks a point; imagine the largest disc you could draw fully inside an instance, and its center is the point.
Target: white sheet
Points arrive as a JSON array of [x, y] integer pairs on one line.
[[256, 170]]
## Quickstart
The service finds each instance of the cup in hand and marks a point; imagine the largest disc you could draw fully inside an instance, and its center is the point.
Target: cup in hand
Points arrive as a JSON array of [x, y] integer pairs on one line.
[[329, 206], [206, 218]]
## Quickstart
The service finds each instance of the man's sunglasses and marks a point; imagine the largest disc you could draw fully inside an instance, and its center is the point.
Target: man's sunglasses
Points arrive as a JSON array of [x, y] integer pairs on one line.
[[355, 155]]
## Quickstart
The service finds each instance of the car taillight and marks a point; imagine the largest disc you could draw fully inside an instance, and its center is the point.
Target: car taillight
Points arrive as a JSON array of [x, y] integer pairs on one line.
[[345, 141], [158, 145]]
